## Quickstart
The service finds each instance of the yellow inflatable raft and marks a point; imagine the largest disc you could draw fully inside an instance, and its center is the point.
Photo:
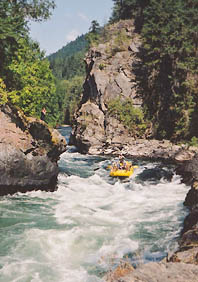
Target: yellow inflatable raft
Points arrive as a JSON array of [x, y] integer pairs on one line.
[[121, 172]]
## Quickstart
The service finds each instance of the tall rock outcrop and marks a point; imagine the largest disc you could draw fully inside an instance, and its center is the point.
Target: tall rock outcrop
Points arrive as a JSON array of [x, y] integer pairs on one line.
[[29, 151], [109, 76]]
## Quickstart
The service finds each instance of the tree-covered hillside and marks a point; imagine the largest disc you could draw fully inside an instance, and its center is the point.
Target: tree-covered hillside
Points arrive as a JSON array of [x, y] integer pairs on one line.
[[79, 44], [168, 67], [68, 61], [67, 65]]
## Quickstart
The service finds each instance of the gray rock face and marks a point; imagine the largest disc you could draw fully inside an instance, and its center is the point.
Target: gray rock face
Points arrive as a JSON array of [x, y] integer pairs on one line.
[[109, 76], [188, 169], [29, 151], [91, 130]]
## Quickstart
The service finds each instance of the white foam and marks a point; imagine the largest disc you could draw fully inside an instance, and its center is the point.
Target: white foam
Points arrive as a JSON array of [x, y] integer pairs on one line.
[[88, 224]]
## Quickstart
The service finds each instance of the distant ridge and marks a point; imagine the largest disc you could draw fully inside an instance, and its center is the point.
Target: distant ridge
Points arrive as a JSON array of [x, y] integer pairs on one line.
[[70, 48], [68, 61]]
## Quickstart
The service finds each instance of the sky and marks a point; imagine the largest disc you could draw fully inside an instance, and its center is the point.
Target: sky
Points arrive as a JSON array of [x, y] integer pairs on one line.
[[70, 19]]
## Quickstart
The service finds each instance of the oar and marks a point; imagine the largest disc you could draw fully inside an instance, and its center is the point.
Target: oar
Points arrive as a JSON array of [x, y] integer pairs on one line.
[[96, 168]]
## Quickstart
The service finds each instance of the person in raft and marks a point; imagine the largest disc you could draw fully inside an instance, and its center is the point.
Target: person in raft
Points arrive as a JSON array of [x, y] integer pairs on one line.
[[114, 166], [43, 113], [122, 162]]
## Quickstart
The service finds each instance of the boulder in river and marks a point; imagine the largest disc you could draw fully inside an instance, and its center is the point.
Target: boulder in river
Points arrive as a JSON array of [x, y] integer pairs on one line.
[[29, 151]]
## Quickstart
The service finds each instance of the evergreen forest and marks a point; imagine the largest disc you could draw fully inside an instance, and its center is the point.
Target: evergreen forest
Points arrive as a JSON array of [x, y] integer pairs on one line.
[[68, 68]]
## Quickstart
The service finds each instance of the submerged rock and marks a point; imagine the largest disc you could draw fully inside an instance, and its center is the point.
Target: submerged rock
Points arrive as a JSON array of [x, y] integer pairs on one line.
[[29, 151]]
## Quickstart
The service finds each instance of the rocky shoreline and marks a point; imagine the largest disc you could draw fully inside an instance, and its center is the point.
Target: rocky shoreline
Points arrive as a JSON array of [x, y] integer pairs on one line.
[[144, 149]]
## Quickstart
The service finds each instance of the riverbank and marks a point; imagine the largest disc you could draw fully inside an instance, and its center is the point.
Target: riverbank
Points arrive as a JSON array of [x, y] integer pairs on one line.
[[145, 149]]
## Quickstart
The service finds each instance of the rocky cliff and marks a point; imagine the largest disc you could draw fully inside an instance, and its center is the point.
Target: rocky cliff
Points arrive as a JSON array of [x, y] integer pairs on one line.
[[109, 76], [29, 151]]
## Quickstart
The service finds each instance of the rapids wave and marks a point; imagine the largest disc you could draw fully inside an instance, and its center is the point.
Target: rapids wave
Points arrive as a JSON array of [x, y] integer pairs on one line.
[[91, 222]]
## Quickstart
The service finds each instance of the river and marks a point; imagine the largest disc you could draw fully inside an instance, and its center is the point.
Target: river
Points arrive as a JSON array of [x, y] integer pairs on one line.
[[91, 222]]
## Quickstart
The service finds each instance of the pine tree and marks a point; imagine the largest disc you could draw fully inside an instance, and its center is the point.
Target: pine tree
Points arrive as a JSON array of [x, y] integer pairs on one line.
[[129, 9], [94, 26]]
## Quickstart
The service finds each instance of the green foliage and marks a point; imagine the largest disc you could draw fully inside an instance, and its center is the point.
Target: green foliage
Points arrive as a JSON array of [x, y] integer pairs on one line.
[[69, 69], [94, 27], [121, 42], [26, 79], [193, 141], [73, 47], [3, 93], [101, 66], [33, 9], [33, 81], [12, 27], [131, 117], [70, 92], [121, 10], [93, 36], [127, 9]]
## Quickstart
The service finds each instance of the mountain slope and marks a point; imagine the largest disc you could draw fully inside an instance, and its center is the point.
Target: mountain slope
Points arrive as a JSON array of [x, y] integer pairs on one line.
[[68, 61]]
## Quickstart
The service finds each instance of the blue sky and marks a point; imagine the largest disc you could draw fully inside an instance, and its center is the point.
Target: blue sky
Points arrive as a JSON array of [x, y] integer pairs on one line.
[[70, 19]]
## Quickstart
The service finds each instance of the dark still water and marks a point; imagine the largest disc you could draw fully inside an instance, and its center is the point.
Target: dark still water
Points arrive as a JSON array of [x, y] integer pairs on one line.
[[90, 223]]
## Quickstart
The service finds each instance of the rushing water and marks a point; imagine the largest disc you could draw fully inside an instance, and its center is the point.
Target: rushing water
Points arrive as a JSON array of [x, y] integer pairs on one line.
[[90, 223]]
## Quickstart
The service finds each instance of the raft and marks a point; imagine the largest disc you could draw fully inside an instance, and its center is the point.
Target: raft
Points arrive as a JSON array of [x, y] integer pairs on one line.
[[122, 172]]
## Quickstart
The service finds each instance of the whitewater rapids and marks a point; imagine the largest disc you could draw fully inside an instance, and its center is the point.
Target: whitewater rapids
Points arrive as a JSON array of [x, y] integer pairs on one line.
[[91, 222]]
